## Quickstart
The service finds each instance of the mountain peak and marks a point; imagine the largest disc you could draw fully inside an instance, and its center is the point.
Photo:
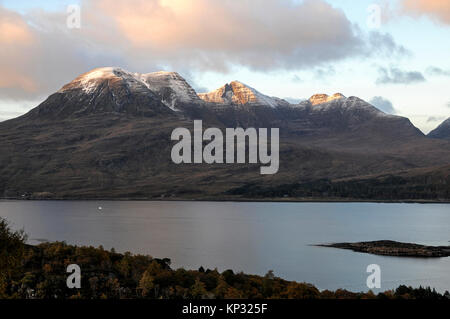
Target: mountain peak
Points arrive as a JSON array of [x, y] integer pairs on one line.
[[90, 81], [103, 90], [238, 93], [171, 87], [324, 98]]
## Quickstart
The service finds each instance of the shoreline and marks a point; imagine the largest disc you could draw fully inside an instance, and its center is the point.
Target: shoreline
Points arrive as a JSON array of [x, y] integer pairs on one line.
[[237, 200]]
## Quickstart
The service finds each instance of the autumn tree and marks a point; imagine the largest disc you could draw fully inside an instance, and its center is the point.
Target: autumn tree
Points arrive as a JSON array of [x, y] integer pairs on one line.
[[12, 248]]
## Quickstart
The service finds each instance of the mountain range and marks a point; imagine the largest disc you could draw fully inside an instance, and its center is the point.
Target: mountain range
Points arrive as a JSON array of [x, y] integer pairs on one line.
[[107, 134]]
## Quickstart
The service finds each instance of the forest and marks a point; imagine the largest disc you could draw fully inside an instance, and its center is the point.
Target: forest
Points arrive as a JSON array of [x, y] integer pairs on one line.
[[387, 188]]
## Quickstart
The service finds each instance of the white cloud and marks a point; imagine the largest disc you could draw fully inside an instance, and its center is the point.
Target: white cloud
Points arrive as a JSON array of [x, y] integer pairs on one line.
[[187, 36], [436, 9]]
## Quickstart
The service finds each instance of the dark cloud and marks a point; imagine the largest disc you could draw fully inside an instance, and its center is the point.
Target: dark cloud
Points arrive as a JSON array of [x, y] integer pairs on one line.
[[383, 104], [385, 45], [395, 75]]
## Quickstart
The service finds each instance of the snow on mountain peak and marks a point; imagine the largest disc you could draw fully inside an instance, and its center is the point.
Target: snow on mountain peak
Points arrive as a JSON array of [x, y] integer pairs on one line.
[[169, 86], [238, 93], [91, 80], [324, 98]]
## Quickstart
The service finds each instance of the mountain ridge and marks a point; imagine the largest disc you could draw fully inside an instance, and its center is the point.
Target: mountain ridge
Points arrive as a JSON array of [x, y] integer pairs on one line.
[[172, 91], [238, 93], [442, 131]]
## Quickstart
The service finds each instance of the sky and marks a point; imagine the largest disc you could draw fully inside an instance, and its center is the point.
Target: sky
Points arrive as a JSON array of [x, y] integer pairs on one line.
[[392, 53]]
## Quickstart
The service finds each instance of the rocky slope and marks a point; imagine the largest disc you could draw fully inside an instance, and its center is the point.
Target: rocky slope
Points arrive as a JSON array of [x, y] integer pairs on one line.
[[171, 88], [442, 131]]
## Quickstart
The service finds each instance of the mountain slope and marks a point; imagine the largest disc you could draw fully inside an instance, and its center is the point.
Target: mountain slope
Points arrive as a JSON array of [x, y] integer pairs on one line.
[[442, 131]]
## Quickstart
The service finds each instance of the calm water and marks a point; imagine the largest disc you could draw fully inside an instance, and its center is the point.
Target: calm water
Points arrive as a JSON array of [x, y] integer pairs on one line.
[[252, 237]]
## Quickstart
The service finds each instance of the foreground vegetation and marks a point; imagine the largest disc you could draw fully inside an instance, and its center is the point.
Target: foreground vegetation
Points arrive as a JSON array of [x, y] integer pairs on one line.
[[40, 272]]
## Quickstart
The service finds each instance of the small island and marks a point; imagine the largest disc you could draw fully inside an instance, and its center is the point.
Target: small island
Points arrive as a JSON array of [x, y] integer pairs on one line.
[[393, 248]]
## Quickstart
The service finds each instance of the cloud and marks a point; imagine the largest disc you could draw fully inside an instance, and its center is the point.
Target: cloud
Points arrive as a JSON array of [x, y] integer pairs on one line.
[[435, 71], [261, 35], [436, 9], [435, 119], [383, 44], [323, 73], [294, 100], [383, 104], [395, 75], [16, 40], [39, 53], [296, 78]]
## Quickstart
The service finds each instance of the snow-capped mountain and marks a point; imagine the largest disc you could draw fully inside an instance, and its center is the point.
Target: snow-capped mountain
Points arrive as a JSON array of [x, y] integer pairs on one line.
[[102, 90], [113, 89], [170, 87], [173, 89], [338, 102], [92, 81], [238, 93]]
